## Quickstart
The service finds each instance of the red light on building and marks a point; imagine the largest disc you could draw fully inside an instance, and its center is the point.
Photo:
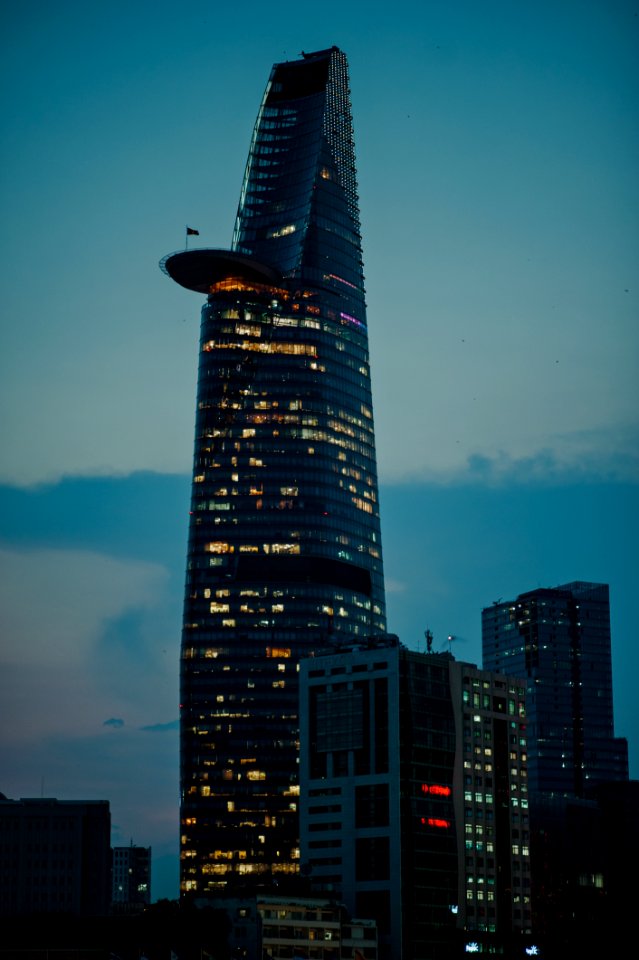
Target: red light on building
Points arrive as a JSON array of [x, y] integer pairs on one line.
[[435, 822], [436, 789]]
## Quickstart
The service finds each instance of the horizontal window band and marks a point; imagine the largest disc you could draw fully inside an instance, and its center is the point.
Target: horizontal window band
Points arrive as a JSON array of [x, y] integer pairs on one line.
[[300, 569]]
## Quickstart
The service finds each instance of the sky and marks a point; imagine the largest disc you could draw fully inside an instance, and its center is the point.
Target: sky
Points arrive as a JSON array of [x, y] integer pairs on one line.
[[497, 151]]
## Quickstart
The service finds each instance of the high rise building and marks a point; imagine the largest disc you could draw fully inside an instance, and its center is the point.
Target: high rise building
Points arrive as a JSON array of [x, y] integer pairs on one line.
[[491, 802], [414, 804], [284, 552], [558, 639]]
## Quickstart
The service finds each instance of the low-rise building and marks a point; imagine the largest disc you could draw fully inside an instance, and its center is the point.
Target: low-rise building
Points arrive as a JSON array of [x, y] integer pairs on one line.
[[55, 857]]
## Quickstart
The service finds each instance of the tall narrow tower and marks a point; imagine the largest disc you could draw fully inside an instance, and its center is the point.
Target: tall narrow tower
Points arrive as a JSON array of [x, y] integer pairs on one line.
[[284, 554]]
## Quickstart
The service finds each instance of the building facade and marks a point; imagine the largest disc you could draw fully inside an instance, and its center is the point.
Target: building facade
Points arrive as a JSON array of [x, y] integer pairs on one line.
[[413, 800], [131, 879], [295, 927], [314, 929], [559, 640], [284, 553], [492, 814], [55, 857]]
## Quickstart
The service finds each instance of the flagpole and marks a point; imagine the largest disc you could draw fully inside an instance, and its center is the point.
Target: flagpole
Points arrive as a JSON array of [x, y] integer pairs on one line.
[[190, 231]]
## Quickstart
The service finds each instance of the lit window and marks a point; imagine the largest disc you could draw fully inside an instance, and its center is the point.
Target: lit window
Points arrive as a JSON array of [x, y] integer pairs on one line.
[[283, 231], [218, 546], [282, 548], [278, 652]]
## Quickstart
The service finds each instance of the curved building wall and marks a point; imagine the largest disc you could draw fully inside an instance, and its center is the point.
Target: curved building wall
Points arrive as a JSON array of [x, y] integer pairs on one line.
[[298, 208], [284, 555]]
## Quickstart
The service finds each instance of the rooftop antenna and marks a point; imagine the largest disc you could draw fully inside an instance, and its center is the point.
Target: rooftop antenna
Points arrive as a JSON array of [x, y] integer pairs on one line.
[[429, 640]]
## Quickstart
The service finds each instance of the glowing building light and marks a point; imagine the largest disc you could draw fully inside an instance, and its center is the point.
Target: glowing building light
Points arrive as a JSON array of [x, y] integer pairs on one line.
[[436, 789]]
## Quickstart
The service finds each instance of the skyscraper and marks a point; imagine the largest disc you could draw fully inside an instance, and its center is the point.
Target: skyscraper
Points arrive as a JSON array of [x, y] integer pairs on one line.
[[559, 640], [284, 549]]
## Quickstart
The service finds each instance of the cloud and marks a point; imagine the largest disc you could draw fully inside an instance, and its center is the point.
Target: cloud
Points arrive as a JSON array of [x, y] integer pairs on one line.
[[79, 632], [84, 645], [583, 456], [161, 727]]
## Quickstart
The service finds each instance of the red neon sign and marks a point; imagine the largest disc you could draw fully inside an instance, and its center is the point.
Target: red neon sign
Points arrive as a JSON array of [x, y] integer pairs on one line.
[[436, 822], [436, 789]]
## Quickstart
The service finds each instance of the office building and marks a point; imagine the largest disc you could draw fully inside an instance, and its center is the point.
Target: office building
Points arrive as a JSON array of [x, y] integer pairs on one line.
[[55, 857], [492, 809], [131, 879], [284, 552], [413, 802], [558, 639]]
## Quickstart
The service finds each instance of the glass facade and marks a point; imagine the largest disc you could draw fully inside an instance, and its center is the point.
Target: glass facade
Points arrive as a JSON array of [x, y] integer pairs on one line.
[[284, 554], [558, 639]]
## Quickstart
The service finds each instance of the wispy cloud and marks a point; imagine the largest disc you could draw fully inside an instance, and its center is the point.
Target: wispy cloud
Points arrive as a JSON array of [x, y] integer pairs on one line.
[[161, 727], [609, 454], [84, 671], [63, 618]]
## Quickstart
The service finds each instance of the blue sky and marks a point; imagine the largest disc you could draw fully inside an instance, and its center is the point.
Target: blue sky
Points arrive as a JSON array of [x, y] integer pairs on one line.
[[497, 148]]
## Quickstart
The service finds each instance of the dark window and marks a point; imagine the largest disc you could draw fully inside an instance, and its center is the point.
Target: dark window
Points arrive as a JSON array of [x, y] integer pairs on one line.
[[371, 805], [372, 858]]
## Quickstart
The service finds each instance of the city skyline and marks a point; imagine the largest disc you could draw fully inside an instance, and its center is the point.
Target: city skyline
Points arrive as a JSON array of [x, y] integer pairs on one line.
[[496, 154]]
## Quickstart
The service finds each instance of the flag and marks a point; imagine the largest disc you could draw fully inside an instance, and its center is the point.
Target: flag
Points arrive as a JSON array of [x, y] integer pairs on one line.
[[190, 232]]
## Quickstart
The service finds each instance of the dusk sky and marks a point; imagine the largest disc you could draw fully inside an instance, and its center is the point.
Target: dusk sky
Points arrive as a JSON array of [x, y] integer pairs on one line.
[[497, 151]]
